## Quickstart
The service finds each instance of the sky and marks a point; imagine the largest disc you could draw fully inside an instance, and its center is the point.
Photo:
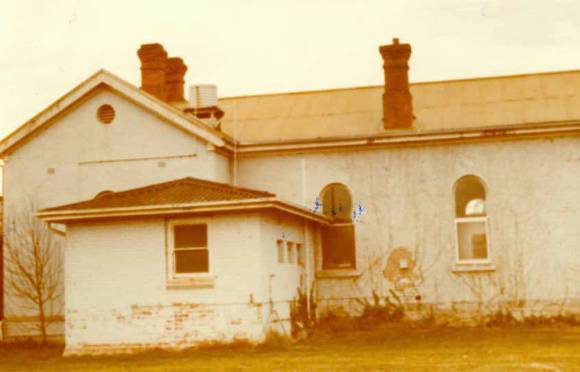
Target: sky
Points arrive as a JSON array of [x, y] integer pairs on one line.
[[259, 46]]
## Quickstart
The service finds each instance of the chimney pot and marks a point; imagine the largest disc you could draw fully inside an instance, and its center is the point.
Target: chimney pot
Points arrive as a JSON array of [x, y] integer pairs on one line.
[[397, 99]]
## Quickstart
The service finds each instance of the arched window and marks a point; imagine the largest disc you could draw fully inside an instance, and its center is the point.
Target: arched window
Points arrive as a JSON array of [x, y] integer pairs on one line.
[[471, 220], [338, 241], [336, 202]]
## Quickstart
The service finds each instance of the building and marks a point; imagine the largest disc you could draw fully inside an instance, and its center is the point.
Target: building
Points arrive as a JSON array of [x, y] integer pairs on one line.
[[184, 221]]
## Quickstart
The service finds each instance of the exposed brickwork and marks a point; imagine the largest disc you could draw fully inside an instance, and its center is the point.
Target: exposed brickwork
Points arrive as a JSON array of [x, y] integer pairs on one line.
[[397, 100], [401, 277], [174, 80], [153, 65], [161, 76], [176, 325]]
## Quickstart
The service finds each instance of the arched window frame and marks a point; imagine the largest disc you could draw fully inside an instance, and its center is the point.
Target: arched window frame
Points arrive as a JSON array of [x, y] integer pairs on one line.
[[338, 239], [327, 188], [471, 220]]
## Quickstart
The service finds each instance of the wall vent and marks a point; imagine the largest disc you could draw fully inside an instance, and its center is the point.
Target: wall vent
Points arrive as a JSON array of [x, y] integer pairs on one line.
[[106, 114]]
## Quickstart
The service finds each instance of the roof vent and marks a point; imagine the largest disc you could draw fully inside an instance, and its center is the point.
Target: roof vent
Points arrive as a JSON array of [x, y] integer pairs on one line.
[[202, 95], [203, 103]]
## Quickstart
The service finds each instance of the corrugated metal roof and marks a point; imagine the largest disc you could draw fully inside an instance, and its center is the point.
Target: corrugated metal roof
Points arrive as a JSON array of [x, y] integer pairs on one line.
[[182, 191], [496, 101]]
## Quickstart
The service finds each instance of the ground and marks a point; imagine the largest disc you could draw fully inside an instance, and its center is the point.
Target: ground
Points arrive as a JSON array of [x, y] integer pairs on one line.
[[394, 348]]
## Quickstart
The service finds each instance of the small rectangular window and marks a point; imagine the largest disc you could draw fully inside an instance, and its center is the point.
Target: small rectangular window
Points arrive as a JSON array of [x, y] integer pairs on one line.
[[291, 253], [190, 251], [301, 254], [280, 247]]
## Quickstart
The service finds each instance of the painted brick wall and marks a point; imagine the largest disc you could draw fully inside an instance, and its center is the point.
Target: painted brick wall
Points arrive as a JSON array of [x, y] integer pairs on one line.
[[283, 279], [116, 293], [533, 201], [78, 156]]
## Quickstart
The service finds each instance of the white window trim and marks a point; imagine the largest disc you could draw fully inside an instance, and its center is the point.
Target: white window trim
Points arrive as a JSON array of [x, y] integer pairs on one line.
[[172, 275], [485, 261]]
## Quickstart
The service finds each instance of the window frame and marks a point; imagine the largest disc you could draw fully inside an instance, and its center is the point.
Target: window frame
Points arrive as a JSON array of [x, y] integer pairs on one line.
[[468, 220], [472, 219], [351, 264], [330, 188], [291, 252], [280, 251], [300, 255], [171, 248]]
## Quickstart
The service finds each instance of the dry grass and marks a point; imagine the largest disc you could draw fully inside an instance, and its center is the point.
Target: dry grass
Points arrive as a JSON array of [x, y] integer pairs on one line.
[[388, 347]]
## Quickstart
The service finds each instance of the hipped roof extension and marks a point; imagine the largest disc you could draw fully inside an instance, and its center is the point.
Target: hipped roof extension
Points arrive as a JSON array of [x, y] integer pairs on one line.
[[183, 196], [105, 78]]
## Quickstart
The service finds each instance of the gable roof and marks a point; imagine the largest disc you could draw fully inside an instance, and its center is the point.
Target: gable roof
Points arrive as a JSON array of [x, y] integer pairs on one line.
[[186, 195], [104, 78]]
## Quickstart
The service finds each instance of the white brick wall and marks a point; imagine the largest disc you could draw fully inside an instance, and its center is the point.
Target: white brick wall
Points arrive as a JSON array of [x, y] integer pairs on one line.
[[87, 157], [116, 293], [284, 279], [116, 276], [533, 207]]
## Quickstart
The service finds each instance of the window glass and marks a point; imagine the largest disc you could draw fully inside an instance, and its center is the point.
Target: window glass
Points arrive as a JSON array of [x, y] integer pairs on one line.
[[471, 219], [338, 247], [472, 240], [190, 236], [280, 246], [191, 261], [291, 253], [190, 253], [338, 242], [336, 202], [301, 254], [469, 196], [475, 207]]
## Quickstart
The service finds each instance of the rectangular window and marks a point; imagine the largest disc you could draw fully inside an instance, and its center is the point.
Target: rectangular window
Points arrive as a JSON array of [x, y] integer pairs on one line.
[[190, 251], [338, 247], [472, 239], [291, 253], [301, 254], [280, 247]]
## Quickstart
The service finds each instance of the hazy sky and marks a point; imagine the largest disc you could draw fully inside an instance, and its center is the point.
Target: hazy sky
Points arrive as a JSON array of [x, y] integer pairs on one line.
[[260, 46]]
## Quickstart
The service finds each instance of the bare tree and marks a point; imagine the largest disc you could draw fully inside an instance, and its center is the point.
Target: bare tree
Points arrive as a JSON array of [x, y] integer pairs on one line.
[[33, 268]]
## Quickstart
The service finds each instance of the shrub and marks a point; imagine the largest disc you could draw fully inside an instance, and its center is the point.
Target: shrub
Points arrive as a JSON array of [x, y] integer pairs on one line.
[[501, 318]]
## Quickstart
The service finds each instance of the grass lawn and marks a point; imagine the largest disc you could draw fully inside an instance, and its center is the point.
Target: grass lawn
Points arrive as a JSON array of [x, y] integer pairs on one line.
[[391, 348]]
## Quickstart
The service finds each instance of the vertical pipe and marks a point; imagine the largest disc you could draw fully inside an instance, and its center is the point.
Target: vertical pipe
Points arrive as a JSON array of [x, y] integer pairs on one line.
[[235, 165], [303, 171]]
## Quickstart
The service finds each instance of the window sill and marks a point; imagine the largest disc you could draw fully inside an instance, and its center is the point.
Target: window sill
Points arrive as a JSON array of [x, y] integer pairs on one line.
[[338, 274], [459, 268], [205, 281]]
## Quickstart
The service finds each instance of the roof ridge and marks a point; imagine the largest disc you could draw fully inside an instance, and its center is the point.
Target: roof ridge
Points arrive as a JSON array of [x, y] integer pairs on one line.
[[185, 180], [412, 83], [227, 185]]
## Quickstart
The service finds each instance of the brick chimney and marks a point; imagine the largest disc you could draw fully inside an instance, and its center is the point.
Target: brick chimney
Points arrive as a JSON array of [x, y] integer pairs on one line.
[[153, 65], [397, 100], [174, 82]]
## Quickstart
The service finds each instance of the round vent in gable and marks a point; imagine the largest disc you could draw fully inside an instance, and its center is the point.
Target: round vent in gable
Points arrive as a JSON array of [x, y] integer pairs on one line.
[[106, 114]]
